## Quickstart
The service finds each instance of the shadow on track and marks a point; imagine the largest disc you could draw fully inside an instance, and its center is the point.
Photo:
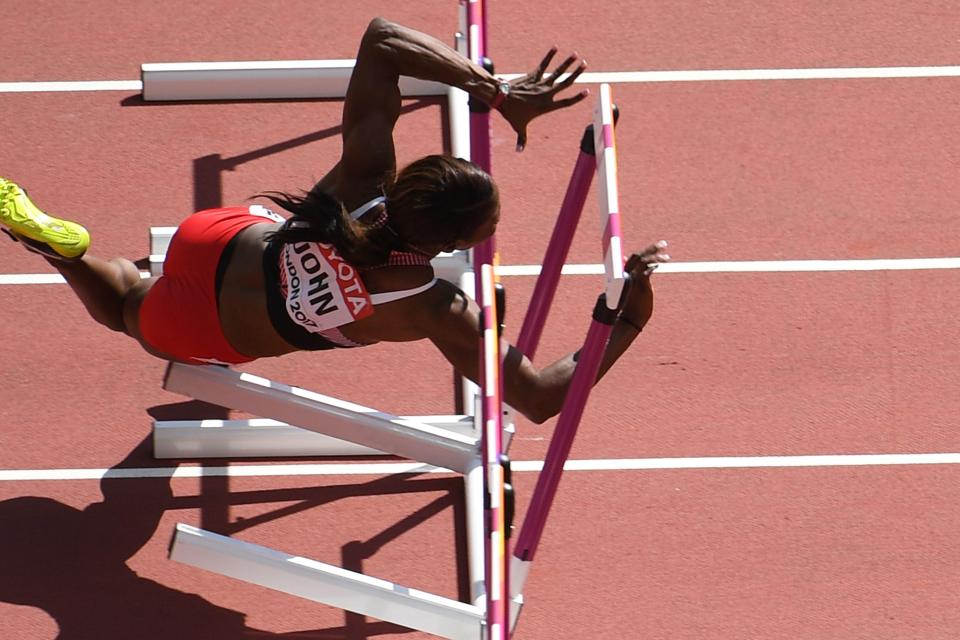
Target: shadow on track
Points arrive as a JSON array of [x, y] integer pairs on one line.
[[72, 563]]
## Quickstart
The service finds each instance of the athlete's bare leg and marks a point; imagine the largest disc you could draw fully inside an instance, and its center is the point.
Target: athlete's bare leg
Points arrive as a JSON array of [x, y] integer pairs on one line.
[[102, 286]]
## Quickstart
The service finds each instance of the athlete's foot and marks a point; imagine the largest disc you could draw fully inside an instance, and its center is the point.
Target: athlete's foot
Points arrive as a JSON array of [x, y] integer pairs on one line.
[[40, 233]]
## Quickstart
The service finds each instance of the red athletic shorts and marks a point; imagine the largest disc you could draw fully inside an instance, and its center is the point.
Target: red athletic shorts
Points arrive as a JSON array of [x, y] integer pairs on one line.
[[179, 315]]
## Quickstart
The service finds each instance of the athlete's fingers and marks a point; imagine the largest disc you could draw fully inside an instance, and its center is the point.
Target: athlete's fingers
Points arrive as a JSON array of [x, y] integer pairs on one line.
[[656, 247], [569, 80], [566, 102], [542, 67], [648, 259], [521, 139], [562, 68]]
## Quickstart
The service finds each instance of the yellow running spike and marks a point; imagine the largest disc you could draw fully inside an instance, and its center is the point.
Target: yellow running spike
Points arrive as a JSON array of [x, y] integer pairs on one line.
[[49, 236]]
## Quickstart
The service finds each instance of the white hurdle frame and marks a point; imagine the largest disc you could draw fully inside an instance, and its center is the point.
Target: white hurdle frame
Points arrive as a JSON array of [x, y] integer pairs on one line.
[[317, 581], [327, 584], [324, 425], [372, 429], [287, 79], [428, 442], [259, 80]]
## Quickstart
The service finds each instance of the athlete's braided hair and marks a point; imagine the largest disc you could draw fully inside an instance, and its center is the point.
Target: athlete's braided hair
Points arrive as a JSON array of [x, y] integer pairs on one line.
[[439, 200], [435, 201], [319, 217]]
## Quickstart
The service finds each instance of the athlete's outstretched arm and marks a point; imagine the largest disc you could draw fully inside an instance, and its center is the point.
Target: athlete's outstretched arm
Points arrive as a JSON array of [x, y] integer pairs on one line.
[[389, 50], [538, 394]]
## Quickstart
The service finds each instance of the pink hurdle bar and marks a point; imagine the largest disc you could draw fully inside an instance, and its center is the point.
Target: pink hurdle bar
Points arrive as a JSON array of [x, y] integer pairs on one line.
[[493, 471], [479, 119], [591, 355], [496, 568], [604, 139], [559, 246]]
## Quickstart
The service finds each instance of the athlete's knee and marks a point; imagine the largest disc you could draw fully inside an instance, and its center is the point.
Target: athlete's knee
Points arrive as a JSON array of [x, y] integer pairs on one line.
[[110, 311]]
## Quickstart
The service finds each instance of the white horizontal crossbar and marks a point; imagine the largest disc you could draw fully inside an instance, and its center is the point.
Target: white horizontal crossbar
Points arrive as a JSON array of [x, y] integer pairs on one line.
[[447, 266], [328, 78], [260, 80], [263, 437], [752, 266], [518, 466], [327, 584], [324, 414], [612, 77]]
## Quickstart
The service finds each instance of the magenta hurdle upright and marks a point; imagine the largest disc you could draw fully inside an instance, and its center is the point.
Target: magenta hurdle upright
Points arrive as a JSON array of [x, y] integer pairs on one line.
[[591, 354], [496, 565]]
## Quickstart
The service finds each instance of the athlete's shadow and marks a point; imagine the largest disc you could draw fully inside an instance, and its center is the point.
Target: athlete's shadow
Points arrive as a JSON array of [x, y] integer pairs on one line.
[[71, 563]]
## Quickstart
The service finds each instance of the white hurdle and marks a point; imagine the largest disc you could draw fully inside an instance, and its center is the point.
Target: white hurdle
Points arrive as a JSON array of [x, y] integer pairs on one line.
[[289, 79], [380, 432], [329, 416], [339, 425]]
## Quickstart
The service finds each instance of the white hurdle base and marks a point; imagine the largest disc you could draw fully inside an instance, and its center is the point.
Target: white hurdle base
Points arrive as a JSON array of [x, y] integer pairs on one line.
[[329, 416], [263, 437], [260, 80], [327, 584], [159, 243], [452, 267]]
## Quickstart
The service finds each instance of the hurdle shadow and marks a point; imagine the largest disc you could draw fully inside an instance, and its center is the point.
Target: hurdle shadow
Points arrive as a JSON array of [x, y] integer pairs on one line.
[[208, 170], [72, 564], [355, 553]]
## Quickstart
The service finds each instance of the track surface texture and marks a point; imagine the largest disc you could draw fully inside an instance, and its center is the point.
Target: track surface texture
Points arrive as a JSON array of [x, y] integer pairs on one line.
[[713, 517]]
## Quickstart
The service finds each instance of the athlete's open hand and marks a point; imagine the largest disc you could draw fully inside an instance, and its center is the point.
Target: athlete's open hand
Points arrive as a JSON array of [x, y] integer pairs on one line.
[[535, 94], [638, 307]]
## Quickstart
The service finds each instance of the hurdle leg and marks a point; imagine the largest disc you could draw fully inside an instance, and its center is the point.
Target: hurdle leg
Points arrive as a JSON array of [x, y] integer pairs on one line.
[[559, 450], [263, 437], [476, 536], [605, 313], [558, 247], [323, 414], [327, 584]]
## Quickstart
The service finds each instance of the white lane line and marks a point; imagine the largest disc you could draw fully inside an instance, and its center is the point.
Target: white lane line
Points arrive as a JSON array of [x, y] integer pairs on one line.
[[746, 266], [755, 266], [41, 278], [32, 278], [60, 87], [385, 468], [732, 75], [612, 77]]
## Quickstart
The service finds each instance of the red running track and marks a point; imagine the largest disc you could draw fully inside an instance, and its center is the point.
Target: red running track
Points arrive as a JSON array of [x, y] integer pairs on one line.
[[761, 364]]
